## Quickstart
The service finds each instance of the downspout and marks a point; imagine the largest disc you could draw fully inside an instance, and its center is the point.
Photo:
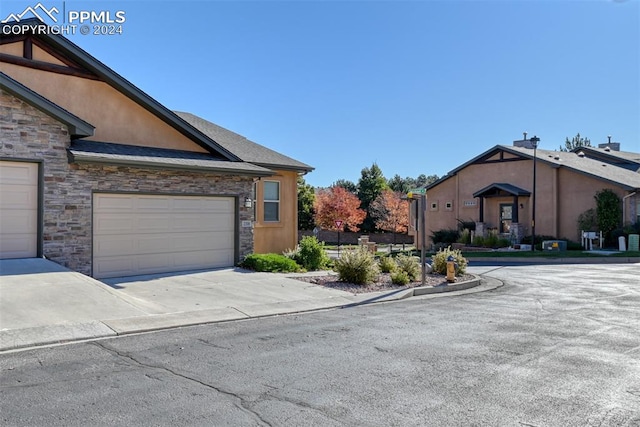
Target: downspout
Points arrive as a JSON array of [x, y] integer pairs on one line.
[[623, 209]]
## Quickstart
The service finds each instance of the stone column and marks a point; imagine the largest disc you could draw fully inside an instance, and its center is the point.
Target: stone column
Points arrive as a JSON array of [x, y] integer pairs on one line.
[[517, 231], [480, 230]]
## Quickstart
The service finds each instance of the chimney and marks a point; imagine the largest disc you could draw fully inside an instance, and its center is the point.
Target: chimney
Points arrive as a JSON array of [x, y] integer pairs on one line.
[[612, 146], [523, 143]]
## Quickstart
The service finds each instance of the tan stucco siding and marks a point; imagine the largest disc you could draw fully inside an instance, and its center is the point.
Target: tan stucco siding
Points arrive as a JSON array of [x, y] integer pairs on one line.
[[116, 118], [578, 195], [276, 237], [44, 56], [436, 215], [15, 49]]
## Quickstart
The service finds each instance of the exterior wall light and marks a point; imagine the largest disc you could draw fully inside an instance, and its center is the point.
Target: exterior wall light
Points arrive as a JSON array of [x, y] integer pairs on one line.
[[247, 202]]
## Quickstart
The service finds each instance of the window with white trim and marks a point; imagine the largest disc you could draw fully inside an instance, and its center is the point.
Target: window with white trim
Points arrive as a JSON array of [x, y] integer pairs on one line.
[[271, 201]]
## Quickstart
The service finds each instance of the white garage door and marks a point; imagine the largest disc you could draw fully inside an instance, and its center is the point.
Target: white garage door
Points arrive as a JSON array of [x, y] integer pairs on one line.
[[143, 234], [18, 209]]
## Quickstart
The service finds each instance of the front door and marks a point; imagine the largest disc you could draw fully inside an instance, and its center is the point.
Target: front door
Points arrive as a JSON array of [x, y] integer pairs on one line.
[[506, 211]]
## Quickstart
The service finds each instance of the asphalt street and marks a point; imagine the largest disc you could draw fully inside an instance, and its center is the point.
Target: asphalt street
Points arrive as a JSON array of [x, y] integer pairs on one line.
[[555, 346]]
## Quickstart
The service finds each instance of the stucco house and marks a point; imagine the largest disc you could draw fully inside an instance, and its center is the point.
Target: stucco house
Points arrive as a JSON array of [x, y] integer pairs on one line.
[[100, 177], [495, 190]]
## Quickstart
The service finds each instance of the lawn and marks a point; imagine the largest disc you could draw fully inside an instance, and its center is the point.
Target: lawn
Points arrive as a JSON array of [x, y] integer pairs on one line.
[[547, 254]]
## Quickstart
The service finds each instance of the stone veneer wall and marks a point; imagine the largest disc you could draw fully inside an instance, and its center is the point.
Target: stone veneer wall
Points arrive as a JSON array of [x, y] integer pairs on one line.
[[26, 133]]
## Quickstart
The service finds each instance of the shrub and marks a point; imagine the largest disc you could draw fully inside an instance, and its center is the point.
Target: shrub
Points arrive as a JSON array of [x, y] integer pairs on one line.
[[409, 265], [587, 220], [491, 240], [400, 277], [478, 241], [311, 254], [465, 236], [357, 266], [387, 264], [445, 236], [439, 261], [270, 263], [503, 243], [292, 253]]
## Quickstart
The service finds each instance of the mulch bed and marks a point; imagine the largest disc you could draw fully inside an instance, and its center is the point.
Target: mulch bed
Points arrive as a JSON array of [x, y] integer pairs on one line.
[[382, 284]]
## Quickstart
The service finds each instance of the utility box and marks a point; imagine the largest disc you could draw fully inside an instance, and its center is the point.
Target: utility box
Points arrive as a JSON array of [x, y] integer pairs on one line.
[[554, 245], [634, 242]]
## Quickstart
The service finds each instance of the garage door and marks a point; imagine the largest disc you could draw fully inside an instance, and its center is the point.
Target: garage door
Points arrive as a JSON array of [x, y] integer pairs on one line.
[[18, 209], [143, 234]]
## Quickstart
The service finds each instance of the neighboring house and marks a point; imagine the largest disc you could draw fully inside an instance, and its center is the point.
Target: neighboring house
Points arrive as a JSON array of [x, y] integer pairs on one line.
[[495, 190], [98, 176]]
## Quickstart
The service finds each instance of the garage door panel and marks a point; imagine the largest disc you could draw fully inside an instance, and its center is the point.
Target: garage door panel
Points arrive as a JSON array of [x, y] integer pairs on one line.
[[18, 209], [108, 202], [155, 234], [18, 246], [113, 266], [113, 224], [20, 173], [16, 221], [114, 246], [18, 197]]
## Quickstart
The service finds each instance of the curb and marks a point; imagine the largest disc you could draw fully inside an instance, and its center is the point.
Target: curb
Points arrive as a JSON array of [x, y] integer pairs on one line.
[[29, 338], [457, 286], [545, 260]]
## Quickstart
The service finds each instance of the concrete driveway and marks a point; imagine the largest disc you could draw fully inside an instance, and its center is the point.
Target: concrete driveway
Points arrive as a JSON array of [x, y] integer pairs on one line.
[[42, 302]]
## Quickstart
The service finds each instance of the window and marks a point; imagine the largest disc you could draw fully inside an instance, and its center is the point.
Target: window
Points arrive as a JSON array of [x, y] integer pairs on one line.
[[434, 206], [448, 206], [271, 201], [638, 212]]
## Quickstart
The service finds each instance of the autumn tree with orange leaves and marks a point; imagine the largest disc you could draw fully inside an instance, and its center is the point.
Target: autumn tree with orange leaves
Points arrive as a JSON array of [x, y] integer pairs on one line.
[[335, 204], [390, 212]]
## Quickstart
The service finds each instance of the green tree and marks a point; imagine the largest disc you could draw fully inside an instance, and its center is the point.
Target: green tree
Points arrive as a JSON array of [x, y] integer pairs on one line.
[[399, 184], [350, 186], [371, 184], [608, 212], [423, 180], [575, 142], [404, 185], [306, 198]]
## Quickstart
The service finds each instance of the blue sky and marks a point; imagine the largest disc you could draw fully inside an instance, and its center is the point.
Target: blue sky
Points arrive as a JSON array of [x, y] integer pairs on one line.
[[418, 87]]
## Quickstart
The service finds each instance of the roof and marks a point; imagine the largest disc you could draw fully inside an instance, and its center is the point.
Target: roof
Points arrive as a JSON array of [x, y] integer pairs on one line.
[[130, 155], [625, 159], [77, 127], [627, 179], [595, 168], [242, 147], [496, 188]]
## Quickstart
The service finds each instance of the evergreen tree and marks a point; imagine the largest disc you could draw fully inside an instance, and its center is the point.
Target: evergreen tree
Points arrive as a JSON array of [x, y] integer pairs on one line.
[[306, 198], [575, 142], [371, 184]]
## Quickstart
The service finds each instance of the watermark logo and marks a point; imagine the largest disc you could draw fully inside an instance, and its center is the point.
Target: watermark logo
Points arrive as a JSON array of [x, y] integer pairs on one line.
[[31, 12], [60, 20]]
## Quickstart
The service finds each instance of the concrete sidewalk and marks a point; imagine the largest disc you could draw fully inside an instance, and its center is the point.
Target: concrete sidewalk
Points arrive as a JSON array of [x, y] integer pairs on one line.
[[43, 303]]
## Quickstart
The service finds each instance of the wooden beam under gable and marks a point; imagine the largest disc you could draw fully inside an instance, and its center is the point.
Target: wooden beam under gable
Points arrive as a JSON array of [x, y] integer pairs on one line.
[[498, 157], [26, 60]]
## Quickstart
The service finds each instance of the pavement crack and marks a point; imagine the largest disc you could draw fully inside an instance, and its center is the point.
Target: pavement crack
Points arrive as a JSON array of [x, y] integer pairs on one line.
[[238, 401]]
